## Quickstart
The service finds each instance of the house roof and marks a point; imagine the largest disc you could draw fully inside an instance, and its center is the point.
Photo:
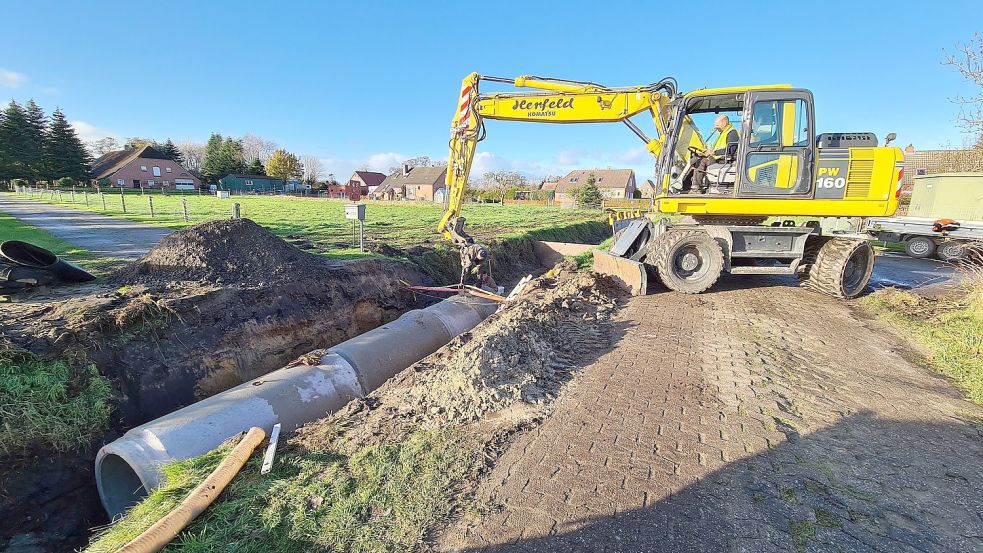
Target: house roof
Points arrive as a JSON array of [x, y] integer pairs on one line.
[[417, 176], [605, 178], [370, 178], [107, 164], [244, 176]]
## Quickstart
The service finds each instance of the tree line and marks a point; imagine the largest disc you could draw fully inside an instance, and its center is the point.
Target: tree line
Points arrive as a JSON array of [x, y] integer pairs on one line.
[[35, 147]]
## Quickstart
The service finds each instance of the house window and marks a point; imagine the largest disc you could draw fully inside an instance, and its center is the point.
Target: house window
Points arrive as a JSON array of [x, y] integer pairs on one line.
[[599, 179], [341, 195], [136, 183], [156, 171], [165, 183], [120, 182], [143, 168], [150, 182], [573, 179], [168, 169], [921, 171], [249, 182]]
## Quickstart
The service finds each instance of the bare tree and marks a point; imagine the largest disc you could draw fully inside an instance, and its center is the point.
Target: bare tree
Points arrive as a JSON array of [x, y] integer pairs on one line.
[[193, 154], [313, 169], [504, 180], [256, 147], [968, 60], [419, 161], [103, 146]]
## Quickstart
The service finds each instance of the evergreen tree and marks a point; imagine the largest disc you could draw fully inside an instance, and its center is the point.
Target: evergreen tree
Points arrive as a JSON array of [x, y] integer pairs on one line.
[[170, 150], [14, 143], [256, 167], [210, 167], [35, 137], [65, 154], [589, 196]]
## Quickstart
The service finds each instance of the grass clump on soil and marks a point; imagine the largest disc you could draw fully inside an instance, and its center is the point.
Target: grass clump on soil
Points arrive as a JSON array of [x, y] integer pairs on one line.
[[49, 403], [949, 327], [379, 498]]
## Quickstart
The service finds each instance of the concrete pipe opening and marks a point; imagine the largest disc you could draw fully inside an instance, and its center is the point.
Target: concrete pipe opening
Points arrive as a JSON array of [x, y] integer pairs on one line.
[[119, 486]]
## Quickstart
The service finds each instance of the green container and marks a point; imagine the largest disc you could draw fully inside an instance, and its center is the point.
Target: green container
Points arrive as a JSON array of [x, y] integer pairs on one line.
[[957, 196]]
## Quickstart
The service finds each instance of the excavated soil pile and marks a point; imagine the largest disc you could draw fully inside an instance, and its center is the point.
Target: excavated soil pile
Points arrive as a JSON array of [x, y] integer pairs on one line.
[[509, 369], [233, 251]]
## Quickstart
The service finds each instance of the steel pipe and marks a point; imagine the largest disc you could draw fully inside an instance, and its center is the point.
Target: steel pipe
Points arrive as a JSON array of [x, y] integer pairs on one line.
[[292, 396]]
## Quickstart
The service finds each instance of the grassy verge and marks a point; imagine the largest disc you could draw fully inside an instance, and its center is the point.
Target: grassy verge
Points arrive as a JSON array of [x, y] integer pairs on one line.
[[380, 498], [13, 229], [950, 328], [49, 403]]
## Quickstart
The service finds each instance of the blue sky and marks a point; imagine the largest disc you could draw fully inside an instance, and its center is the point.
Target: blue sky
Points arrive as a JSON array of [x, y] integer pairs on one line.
[[375, 82]]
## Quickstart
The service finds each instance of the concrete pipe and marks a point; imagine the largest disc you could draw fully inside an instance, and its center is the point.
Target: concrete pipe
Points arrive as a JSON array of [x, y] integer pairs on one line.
[[291, 396]]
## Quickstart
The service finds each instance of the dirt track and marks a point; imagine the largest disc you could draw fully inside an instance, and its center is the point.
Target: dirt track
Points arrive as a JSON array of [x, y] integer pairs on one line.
[[761, 419]]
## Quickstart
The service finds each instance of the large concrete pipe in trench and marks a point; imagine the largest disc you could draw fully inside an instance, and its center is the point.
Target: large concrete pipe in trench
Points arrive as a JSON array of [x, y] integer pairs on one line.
[[291, 396]]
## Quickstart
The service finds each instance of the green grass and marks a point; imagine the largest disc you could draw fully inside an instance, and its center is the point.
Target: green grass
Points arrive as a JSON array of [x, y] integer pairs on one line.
[[13, 229], [380, 498], [49, 403], [320, 220], [951, 329]]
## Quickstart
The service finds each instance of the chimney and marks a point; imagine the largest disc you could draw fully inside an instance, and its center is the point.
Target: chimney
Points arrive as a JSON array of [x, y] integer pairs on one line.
[[406, 169]]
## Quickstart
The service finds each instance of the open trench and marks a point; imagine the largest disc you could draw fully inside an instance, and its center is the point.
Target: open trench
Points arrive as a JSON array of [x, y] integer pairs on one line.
[[165, 347]]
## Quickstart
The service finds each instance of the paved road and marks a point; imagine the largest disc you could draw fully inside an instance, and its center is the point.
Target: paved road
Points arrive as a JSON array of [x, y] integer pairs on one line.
[[769, 418], [892, 269], [102, 235]]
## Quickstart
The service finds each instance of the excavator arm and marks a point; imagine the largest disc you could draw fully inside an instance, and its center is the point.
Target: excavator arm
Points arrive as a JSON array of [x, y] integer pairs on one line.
[[555, 101]]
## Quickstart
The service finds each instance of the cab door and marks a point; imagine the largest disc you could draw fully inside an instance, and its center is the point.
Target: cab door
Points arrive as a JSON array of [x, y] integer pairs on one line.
[[778, 146]]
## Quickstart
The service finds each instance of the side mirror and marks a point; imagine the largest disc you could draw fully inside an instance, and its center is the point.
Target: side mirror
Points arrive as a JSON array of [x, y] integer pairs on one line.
[[889, 138]]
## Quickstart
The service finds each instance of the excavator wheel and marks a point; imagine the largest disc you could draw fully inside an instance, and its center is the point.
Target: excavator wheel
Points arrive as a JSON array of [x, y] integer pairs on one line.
[[688, 261], [839, 267]]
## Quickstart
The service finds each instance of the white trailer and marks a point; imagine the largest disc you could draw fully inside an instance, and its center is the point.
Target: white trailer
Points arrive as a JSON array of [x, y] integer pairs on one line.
[[920, 238]]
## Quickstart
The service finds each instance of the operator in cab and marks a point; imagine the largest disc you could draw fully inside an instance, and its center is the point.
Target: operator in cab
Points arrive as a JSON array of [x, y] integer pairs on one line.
[[724, 151]]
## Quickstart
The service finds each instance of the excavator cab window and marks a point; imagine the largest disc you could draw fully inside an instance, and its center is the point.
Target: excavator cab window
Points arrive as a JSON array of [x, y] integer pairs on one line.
[[777, 152]]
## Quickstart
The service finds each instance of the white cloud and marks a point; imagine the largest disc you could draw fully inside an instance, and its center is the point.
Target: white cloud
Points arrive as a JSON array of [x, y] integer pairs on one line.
[[12, 79], [632, 156], [49, 90], [568, 157], [87, 131]]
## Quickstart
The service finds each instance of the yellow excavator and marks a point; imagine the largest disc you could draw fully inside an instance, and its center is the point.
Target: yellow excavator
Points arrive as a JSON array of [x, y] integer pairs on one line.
[[779, 167]]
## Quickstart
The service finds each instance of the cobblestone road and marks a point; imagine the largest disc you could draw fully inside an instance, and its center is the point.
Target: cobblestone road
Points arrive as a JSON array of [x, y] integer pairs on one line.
[[761, 419]]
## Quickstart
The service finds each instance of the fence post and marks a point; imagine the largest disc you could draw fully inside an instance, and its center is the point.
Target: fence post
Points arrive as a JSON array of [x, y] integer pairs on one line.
[[103, 197], [150, 200], [184, 207], [235, 210], [73, 193], [122, 198], [85, 196]]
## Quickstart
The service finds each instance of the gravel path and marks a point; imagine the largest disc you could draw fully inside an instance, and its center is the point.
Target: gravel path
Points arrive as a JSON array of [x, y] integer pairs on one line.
[[102, 235], [761, 419]]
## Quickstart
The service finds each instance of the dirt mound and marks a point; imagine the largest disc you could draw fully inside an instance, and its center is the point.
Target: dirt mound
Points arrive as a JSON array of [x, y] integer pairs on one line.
[[232, 251], [511, 367]]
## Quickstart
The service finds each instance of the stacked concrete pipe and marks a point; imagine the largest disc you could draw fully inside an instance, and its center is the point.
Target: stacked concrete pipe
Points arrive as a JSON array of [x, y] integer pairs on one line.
[[291, 396]]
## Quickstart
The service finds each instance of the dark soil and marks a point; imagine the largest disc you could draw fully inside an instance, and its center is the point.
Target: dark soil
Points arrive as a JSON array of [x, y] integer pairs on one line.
[[232, 251]]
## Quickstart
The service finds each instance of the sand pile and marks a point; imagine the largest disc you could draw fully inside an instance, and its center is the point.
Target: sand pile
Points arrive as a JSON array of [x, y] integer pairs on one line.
[[232, 251], [512, 366]]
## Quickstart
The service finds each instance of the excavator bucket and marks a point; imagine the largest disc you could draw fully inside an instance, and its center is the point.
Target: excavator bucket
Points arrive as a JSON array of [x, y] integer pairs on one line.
[[627, 273]]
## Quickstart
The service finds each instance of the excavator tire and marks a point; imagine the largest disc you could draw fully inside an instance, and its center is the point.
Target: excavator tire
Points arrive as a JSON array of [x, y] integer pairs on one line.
[[838, 267], [688, 261]]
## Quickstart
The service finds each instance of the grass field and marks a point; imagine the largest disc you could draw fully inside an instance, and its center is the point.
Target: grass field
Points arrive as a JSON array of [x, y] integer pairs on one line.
[[322, 221]]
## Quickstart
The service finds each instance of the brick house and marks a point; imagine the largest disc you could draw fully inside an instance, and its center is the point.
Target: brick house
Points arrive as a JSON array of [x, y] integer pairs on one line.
[[613, 183], [361, 183], [414, 183], [142, 167], [648, 189]]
